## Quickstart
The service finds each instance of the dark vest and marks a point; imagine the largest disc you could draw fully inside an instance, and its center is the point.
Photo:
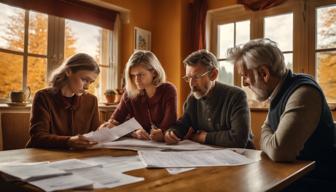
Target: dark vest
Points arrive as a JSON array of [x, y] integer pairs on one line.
[[321, 144]]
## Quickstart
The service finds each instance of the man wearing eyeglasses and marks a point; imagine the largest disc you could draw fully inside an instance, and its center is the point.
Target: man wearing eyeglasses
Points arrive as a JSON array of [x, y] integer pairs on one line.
[[217, 114]]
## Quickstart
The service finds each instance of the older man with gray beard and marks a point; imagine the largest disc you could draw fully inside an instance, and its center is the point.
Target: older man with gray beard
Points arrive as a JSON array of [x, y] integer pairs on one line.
[[217, 113]]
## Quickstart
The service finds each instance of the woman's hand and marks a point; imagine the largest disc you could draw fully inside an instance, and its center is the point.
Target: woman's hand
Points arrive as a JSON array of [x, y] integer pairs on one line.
[[80, 142], [170, 138], [109, 124], [156, 135], [140, 134]]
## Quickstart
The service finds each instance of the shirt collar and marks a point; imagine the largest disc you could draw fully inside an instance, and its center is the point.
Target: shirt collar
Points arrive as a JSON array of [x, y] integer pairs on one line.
[[279, 85]]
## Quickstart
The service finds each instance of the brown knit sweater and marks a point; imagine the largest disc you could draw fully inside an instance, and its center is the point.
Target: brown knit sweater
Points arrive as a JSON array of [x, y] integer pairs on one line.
[[55, 118]]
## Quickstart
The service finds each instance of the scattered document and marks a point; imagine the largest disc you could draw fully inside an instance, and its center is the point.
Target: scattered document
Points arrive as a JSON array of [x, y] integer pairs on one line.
[[31, 172], [117, 164], [72, 164], [105, 134], [102, 178], [223, 157], [174, 170], [62, 183], [136, 144]]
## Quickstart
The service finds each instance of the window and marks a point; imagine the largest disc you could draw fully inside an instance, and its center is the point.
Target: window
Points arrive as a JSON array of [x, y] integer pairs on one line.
[[287, 25], [32, 44]]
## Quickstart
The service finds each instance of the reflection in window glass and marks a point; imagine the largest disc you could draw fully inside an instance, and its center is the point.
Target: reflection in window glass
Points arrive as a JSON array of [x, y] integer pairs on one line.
[[326, 27], [242, 32], [10, 73], [280, 29], [225, 39], [11, 27], [37, 71], [38, 30], [225, 72], [325, 74]]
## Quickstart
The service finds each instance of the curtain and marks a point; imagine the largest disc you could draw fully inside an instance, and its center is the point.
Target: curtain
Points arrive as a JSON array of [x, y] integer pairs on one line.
[[71, 9], [198, 16], [256, 5]]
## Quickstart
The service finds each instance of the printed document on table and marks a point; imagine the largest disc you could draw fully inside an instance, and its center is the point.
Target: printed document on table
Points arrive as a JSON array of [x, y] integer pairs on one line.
[[137, 144], [106, 134], [71, 164], [102, 178], [31, 172], [117, 164], [223, 157], [62, 183]]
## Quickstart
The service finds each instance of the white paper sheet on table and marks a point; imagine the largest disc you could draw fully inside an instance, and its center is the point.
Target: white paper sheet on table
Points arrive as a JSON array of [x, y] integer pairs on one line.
[[117, 164], [62, 183], [103, 178], [177, 170], [131, 143], [31, 172], [110, 134], [223, 157], [71, 164]]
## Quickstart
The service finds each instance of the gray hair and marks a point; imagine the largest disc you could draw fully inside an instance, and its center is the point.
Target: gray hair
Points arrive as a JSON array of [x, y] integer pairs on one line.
[[203, 57], [148, 60], [258, 52], [77, 62]]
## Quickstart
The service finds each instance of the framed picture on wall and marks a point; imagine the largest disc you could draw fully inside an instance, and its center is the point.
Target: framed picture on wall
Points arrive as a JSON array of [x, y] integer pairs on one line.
[[142, 39]]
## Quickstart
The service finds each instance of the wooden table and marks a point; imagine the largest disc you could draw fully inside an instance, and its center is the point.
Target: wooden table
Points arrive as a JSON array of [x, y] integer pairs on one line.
[[263, 175]]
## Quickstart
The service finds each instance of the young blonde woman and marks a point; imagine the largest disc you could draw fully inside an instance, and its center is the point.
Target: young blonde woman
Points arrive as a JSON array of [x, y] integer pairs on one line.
[[63, 112], [148, 98]]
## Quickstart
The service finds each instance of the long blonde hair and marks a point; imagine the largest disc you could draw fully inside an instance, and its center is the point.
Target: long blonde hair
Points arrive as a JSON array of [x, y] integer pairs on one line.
[[77, 62], [148, 60]]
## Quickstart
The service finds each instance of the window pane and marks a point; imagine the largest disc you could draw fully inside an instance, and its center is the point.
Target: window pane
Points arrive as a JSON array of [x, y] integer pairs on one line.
[[11, 27], [10, 73], [225, 39], [82, 38], [225, 72], [280, 29], [242, 32], [37, 72], [38, 31], [289, 60], [326, 27], [326, 74]]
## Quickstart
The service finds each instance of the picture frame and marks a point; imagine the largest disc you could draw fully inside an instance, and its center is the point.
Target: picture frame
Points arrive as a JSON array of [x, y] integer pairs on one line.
[[142, 39]]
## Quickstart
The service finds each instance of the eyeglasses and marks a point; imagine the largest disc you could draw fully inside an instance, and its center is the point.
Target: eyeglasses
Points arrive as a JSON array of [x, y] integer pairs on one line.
[[195, 77]]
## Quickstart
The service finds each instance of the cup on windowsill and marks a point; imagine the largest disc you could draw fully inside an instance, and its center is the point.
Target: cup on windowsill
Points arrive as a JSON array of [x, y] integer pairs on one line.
[[21, 96], [110, 96]]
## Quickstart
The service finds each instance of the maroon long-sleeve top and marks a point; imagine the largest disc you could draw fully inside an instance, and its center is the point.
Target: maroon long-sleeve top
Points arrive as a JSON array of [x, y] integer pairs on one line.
[[160, 109]]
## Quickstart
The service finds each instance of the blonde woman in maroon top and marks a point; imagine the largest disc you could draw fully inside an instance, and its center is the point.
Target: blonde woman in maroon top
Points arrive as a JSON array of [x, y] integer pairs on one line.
[[148, 98], [63, 112]]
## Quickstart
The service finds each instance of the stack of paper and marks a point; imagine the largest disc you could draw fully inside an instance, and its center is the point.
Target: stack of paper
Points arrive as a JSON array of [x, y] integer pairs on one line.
[[223, 157]]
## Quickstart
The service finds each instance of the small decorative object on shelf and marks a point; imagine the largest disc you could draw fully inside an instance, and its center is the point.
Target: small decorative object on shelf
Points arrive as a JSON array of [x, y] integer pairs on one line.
[[110, 95]]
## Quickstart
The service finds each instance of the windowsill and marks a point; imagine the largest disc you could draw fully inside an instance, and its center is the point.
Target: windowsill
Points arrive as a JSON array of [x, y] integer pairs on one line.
[[258, 106], [101, 106]]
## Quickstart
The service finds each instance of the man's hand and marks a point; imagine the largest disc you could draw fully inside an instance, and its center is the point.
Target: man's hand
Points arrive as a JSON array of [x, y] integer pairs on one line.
[[156, 134], [170, 138], [199, 136], [140, 134], [80, 142]]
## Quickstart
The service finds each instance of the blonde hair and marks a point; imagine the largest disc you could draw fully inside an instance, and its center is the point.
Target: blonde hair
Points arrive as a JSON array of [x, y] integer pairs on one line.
[[148, 60], [77, 62], [259, 52]]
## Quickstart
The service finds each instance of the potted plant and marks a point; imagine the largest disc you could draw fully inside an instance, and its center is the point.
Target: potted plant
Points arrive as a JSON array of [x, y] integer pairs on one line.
[[110, 95]]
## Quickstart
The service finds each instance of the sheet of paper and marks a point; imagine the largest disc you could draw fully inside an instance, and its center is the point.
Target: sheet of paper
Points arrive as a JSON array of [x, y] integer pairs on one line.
[[131, 143], [62, 183], [175, 170], [110, 134], [223, 157], [117, 164], [71, 164], [105, 179], [31, 172]]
